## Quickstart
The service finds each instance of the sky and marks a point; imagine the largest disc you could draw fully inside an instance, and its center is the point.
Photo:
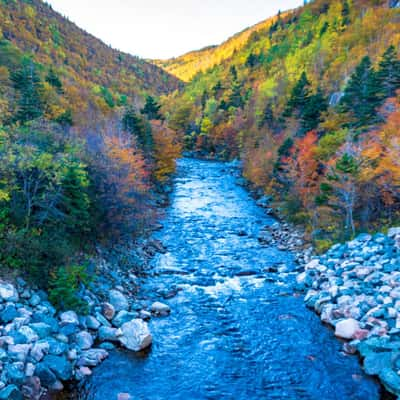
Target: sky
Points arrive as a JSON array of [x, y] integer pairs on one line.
[[167, 28]]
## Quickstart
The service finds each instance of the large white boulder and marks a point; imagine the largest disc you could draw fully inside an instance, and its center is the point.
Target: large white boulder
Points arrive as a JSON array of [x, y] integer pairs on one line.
[[136, 335], [347, 328]]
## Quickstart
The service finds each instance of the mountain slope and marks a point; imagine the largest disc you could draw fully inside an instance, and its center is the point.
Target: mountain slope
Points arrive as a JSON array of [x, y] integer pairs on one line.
[[188, 65], [87, 67], [309, 104]]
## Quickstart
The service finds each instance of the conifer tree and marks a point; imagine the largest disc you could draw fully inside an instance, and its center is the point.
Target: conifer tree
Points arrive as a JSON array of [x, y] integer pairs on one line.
[[152, 109], [388, 74], [361, 96], [299, 96]]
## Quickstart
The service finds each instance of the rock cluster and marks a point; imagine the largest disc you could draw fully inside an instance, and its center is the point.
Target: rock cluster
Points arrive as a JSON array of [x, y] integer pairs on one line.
[[355, 288], [40, 348]]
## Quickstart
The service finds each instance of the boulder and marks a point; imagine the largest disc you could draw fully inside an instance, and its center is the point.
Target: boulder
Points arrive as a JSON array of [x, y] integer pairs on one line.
[[393, 232], [118, 300], [92, 357], [108, 311], [92, 323], [347, 328], [11, 392], [59, 365], [47, 377], [122, 317], [29, 333], [160, 309], [69, 317], [39, 350], [15, 372], [84, 340], [135, 335], [107, 333], [8, 292]]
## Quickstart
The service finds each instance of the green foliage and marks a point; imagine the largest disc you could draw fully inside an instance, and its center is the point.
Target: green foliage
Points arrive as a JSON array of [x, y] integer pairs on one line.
[[65, 286], [388, 74], [135, 125], [322, 245], [53, 79], [152, 109]]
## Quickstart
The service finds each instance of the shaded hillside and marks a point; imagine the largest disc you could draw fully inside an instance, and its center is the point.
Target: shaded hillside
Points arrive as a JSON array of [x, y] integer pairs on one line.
[[309, 104], [87, 67]]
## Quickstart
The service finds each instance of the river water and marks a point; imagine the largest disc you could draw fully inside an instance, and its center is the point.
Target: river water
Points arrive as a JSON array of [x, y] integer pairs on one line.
[[229, 336]]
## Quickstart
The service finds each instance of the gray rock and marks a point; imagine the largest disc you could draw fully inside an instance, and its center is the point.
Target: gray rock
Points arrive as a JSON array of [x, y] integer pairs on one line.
[[55, 346], [29, 333], [108, 311], [391, 380], [84, 340], [15, 372], [92, 323], [11, 392], [393, 232], [39, 350], [42, 329], [374, 363], [34, 300], [8, 292], [69, 317], [118, 300], [47, 378], [122, 317], [136, 335], [106, 333], [59, 365], [347, 328], [160, 309], [9, 313], [92, 357], [19, 352]]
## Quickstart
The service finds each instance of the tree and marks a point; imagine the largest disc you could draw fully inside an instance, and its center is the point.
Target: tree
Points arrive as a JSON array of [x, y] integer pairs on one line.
[[361, 96], [314, 106], [152, 109], [135, 125], [298, 97], [388, 74], [27, 81], [53, 79]]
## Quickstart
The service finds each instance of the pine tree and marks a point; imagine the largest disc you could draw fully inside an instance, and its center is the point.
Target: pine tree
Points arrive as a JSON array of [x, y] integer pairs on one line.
[[53, 79], [299, 96], [152, 109], [388, 74], [311, 116], [345, 13], [27, 81], [135, 125], [361, 96]]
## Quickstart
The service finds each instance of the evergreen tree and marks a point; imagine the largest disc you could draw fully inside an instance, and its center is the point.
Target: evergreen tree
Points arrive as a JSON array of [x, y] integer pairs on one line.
[[53, 79], [267, 117], [311, 116], [345, 13], [235, 98], [27, 81], [361, 96], [152, 109], [135, 125], [299, 96], [389, 73]]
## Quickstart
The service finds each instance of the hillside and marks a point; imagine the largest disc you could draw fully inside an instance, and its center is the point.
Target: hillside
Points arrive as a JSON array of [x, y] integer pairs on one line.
[[89, 69], [309, 104], [188, 65]]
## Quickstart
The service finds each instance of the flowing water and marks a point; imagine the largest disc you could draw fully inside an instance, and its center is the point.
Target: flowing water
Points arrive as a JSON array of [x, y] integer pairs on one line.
[[236, 331]]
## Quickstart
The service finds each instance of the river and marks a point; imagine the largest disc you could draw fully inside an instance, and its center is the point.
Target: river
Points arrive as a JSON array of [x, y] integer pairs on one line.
[[235, 331]]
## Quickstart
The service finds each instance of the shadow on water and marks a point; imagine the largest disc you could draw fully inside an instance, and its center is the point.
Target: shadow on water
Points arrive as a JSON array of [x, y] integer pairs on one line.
[[235, 331]]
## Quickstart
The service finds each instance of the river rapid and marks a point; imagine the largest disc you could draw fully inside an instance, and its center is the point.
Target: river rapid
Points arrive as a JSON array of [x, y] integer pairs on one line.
[[236, 331]]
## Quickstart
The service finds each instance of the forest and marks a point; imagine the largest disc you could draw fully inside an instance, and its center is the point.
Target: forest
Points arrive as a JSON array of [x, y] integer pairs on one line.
[[310, 103], [84, 147]]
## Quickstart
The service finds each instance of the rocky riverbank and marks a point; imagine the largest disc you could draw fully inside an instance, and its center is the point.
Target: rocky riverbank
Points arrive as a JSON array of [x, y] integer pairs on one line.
[[42, 349], [355, 288]]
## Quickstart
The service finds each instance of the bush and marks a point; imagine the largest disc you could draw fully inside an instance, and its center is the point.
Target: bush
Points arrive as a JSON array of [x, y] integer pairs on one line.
[[322, 245], [65, 287]]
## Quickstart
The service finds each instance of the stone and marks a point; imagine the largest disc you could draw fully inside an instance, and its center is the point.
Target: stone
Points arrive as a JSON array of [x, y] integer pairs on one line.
[[29, 369], [393, 232], [56, 347], [347, 328], [39, 350], [32, 388], [11, 392], [42, 329], [145, 315], [374, 362], [92, 357], [69, 317], [82, 372], [122, 317], [34, 300], [59, 365], [160, 309], [47, 377], [135, 335], [29, 333], [8, 292], [106, 333], [118, 300], [15, 372], [391, 380], [84, 340], [108, 311], [19, 352], [9, 313], [92, 323]]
